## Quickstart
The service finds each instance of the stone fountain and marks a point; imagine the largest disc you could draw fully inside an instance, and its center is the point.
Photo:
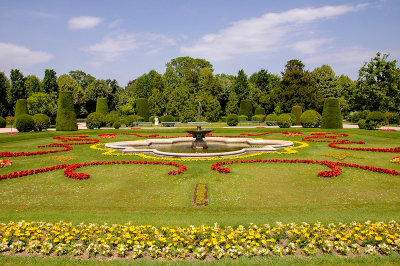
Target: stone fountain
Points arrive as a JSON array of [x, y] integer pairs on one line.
[[199, 134]]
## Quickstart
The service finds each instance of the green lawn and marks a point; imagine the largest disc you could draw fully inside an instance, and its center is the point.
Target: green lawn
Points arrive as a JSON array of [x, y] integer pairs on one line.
[[259, 193]]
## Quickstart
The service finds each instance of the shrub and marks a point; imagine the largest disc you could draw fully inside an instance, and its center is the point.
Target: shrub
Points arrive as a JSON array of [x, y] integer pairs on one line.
[[3, 122], [362, 124], [24, 123], [293, 118], [246, 109], [95, 120], [111, 118], [271, 117], [102, 106], [222, 119], [310, 119], [21, 107], [128, 121], [331, 114], [374, 120], [259, 111], [42, 121], [356, 116], [259, 118], [297, 112], [243, 118], [66, 116], [167, 118], [392, 118], [116, 125], [284, 120], [142, 108], [232, 120], [152, 118]]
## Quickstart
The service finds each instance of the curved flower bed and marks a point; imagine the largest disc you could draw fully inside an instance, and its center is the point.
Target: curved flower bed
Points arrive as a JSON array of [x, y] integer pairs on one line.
[[335, 166], [71, 167], [331, 137], [200, 242], [82, 139]]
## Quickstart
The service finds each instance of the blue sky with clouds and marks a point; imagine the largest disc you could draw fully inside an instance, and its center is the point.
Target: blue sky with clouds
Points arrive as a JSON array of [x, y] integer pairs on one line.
[[123, 39]]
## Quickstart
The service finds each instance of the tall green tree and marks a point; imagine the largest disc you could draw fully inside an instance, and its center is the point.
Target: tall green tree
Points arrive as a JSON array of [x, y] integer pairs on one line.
[[4, 87], [144, 85], [182, 105], [82, 78], [97, 89], [16, 90], [67, 83], [232, 107], [32, 85], [241, 86], [326, 81], [225, 84], [156, 103], [188, 68], [211, 109], [264, 80], [50, 82], [116, 91], [378, 86]]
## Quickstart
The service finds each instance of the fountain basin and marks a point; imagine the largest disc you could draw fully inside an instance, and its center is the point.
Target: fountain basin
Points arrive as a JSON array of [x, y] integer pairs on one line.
[[245, 146]]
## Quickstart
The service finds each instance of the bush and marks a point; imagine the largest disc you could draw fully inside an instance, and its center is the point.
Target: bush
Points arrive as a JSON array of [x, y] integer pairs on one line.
[[42, 121], [297, 112], [392, 118], [284, 120], [3, 122], [232, 120], [375, 120], [24, 123], [152, 118], [243, 118], [66, 116], [293, 118], [111, 118], [362, 124], [356, 116], [95, 120], [142, 108], [222, 119], [271, 117], [259, 111], [128, 121], [116, 125], [331, 114], [246, 109], [167, 118], [102, 106], [259, 118], [21, 107], [310, 119]]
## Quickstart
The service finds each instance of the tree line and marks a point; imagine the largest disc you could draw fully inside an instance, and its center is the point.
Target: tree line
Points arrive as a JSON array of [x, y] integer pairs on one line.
[[188, 81]]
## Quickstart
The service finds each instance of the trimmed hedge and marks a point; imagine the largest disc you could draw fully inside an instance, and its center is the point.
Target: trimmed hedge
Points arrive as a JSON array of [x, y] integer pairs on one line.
[[331, 114], [167, 118], [111, 118], [297, 112], [271, 117], [116, 125], [259, 118], [95, 120], [21, 108], [310, 119], [259, 111], [285, 120], [41, 121], [102, 106], [232, 120], [375, 120], [3, 122], [142, 108], [356, 116], [246, 109], [66, 116], [243, 118], [24, 123]]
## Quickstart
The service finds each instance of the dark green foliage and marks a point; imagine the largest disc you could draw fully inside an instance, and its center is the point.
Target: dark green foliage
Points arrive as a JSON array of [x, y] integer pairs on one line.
[[243, 118], [246, 108], [259, 118], [95, 120], [4, 87], [310, 119], [293, 118], [111, 118], [284, 120], [297, 111], [259, 111], [50, 81], [271, 117], [3, 122], [167, 118], [116, 125], [232, 120], [24, 123], [142, 108], [21, 107], [362, 124], [374, 120], [232, 104], [392, 118], [42, 121], [102, 106], [356, 116], [241, 86], [17, 88], [152, 119], [128, 120], [66, 116], [331, 114]]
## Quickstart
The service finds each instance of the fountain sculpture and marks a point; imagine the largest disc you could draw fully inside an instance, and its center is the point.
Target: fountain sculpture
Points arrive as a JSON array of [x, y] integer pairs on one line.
[[199, 135]]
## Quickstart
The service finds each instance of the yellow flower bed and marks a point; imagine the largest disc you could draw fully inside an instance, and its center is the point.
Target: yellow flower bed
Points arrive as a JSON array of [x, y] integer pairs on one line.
[[201, 241], [111, 152]]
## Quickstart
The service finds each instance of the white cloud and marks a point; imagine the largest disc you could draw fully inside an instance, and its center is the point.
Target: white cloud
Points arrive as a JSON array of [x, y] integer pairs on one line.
[[310, 46], [260, 34], [83, 22], [16, 56]]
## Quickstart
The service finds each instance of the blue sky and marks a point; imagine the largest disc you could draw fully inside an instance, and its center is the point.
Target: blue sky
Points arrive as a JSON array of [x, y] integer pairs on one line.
[[124, 39]]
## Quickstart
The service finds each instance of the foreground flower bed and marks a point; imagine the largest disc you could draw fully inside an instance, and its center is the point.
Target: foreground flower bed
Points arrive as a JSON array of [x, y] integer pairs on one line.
[[199, 242]]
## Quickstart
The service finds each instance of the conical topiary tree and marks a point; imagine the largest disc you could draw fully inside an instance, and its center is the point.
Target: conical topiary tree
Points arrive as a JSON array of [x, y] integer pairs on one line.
[[297, 111], [142, 108], [331, 114], [246, 108], [66, 116], [102, 106], [21, 107]]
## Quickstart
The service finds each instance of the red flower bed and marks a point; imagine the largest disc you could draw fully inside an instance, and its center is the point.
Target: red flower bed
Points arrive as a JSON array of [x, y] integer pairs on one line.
[[335, 166], [71, 167]]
